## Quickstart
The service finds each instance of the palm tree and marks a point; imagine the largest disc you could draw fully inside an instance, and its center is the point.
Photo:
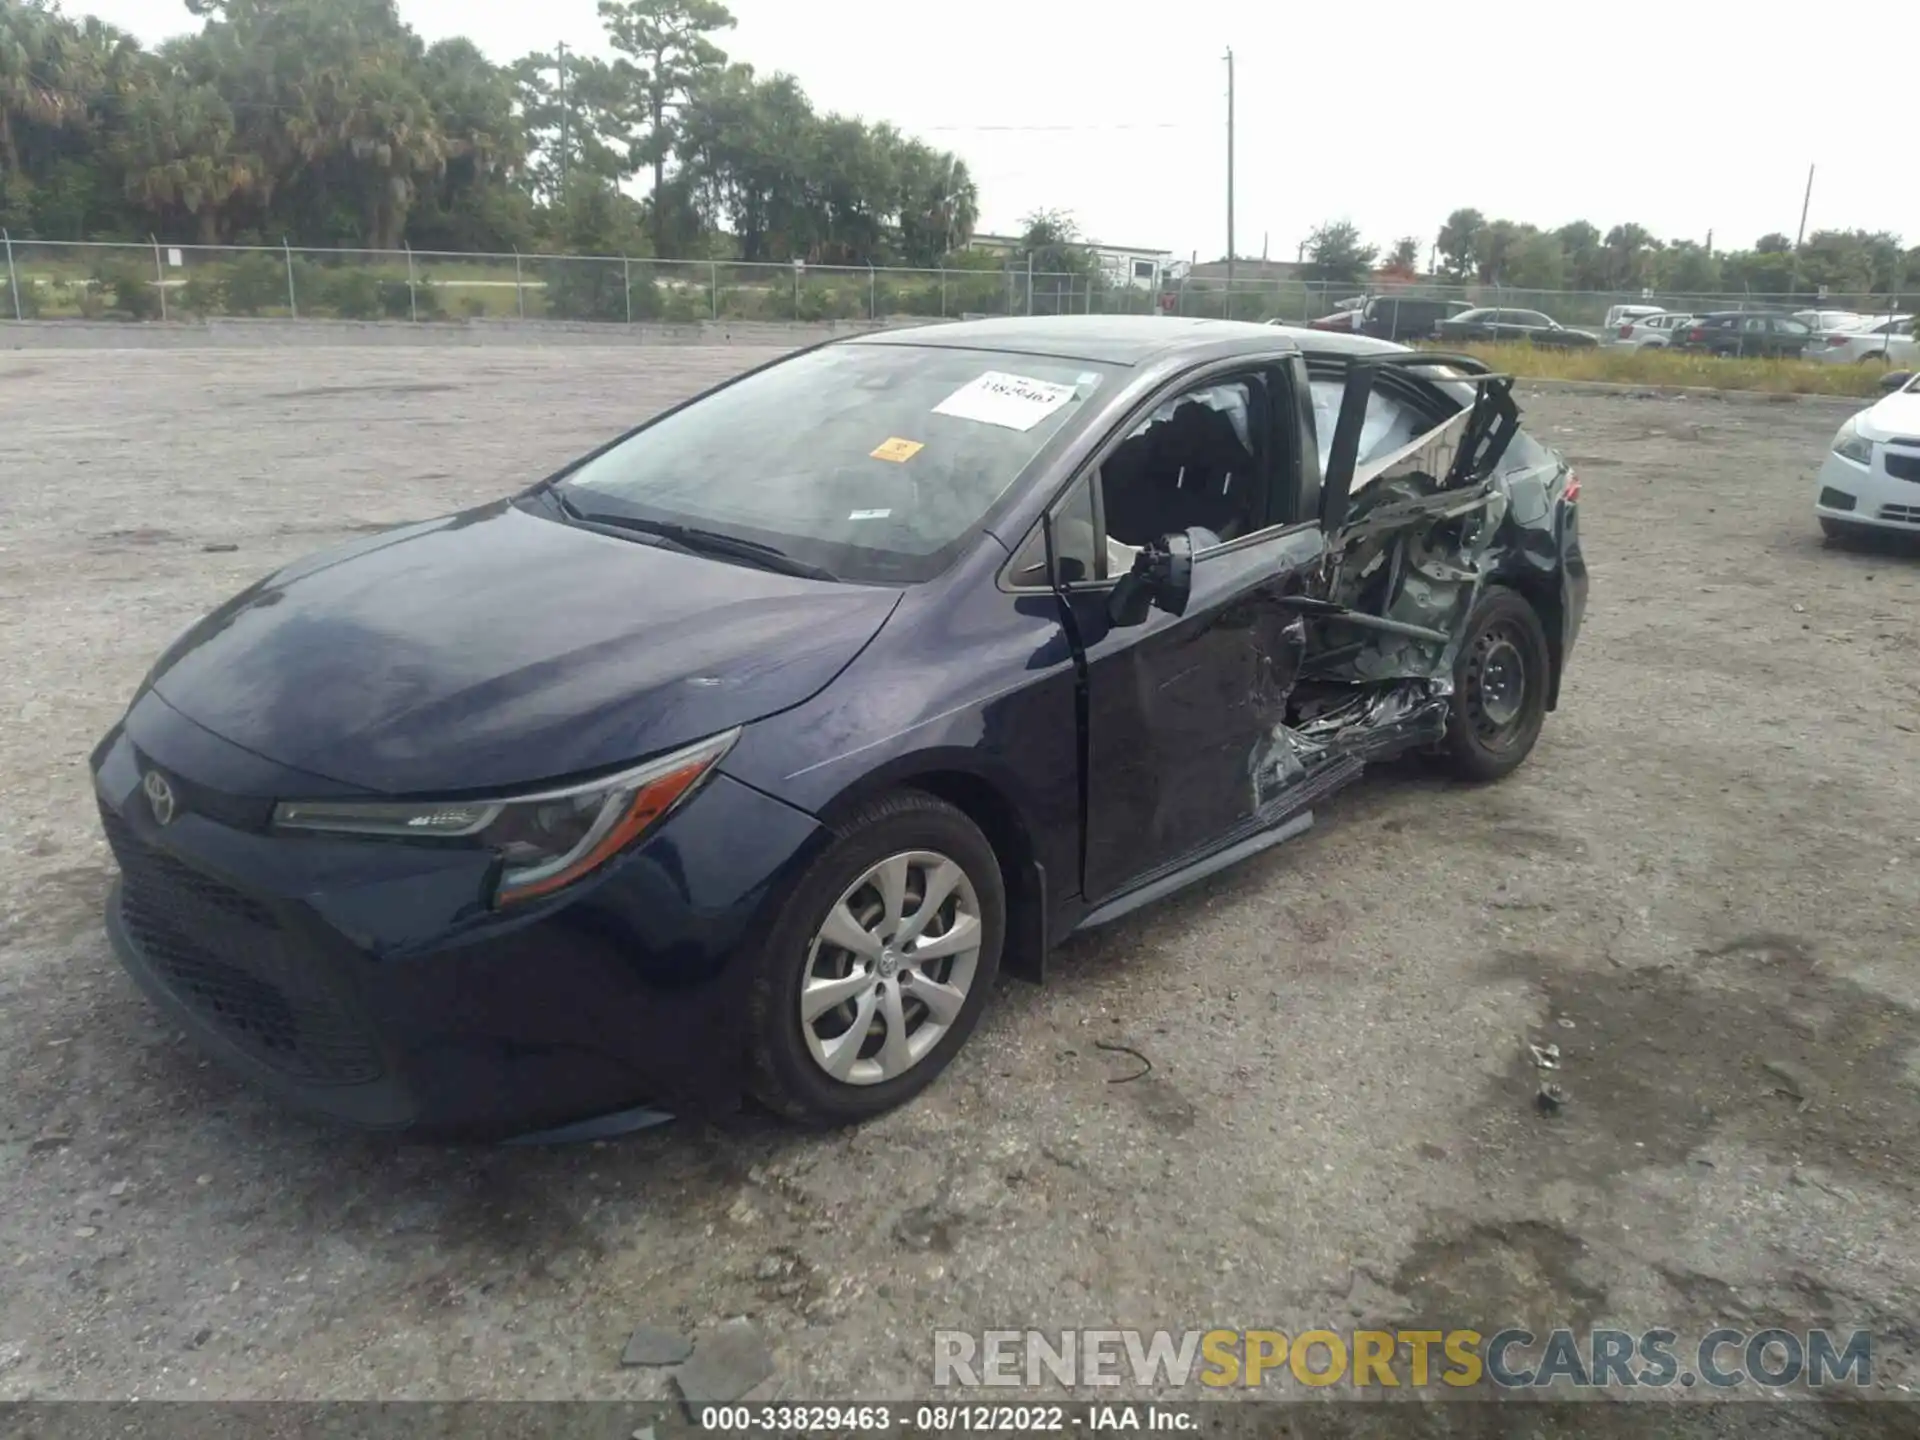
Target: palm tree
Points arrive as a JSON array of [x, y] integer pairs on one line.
[[37, 48], [394, 140], [178, 152]]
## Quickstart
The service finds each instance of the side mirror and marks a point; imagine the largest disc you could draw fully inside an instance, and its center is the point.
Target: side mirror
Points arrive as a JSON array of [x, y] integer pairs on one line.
[[1162, 575], [1895, 380]]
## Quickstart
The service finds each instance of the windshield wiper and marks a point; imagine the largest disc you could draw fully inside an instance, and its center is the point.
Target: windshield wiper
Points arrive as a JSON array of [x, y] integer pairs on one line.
[[703, 542], [617, 522]]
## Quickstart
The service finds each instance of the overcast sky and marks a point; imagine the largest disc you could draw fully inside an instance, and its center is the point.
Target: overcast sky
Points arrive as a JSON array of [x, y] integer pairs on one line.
[[1384, 113]]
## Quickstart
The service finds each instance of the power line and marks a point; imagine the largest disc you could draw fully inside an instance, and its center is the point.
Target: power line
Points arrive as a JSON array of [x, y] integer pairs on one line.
[[1041, 129]]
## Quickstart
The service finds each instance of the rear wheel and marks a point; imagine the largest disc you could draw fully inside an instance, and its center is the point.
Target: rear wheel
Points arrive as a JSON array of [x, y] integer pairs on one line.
[[880, 963], [1499, 688]]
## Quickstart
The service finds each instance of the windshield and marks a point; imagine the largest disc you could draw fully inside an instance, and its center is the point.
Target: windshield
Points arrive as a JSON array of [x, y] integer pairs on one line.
[[873, 462]]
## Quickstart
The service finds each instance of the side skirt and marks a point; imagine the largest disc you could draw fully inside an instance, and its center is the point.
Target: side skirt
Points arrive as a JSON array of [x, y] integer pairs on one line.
[[1298, 819], [1199, 870]]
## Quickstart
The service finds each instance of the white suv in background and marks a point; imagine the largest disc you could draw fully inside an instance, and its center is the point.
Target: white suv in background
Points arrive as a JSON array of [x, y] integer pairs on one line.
[[1871, 476]]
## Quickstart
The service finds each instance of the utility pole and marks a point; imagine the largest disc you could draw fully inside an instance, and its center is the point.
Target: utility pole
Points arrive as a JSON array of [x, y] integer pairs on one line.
[[560, 56], [1229, 177], [1793, 284]]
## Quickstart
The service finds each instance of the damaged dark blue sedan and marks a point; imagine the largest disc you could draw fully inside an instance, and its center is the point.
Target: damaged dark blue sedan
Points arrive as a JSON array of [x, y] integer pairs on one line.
[[741, 755]]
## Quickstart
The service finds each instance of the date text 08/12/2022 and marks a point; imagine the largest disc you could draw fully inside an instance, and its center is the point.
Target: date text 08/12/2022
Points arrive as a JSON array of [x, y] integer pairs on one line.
[[945, 1419]]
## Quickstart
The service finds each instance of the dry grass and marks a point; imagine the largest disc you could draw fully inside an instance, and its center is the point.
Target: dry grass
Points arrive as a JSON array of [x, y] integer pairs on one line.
[[1669, 367]]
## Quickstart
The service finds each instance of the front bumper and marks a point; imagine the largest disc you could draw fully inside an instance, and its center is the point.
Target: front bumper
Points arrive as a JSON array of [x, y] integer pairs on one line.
[[368, 981], [1879, 498]]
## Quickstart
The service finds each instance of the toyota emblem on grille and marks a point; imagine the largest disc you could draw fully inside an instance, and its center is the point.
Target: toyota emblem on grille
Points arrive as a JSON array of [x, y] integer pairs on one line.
[[159, 796]]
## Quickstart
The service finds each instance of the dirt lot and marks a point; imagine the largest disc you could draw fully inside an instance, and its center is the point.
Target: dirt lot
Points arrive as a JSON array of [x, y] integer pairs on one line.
[[1705, 888]]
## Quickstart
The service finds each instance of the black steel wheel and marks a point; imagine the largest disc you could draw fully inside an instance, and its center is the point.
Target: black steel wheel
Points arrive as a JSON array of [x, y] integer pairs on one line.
[[1500, 685]]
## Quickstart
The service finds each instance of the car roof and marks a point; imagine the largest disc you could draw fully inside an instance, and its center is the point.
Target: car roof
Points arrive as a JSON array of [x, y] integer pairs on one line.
[[1110, 339], [1337, 342]]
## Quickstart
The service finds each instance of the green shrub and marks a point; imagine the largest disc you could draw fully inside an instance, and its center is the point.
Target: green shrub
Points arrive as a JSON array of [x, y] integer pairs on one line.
[[256, 283], [205, 293], [354, 294], [839, 299], [126, 288], [29, 298], [685, 305], [922, 297], [649, 301], [310, 282], [398, 302], [585, 290]]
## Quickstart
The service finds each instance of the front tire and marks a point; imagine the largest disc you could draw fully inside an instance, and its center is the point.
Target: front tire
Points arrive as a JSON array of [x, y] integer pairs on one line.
[[879, 965], [1500, 685]]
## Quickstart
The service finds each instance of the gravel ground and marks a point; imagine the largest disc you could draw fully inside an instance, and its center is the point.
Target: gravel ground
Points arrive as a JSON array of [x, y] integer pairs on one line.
[[1704, 887]]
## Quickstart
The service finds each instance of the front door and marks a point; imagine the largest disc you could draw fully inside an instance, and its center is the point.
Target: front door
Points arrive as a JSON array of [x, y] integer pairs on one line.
[[1182, 710], [1183, 713]]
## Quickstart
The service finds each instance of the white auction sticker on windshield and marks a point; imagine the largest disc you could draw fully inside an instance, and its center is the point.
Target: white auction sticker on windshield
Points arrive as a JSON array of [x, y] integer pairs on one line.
[[1016, 402]]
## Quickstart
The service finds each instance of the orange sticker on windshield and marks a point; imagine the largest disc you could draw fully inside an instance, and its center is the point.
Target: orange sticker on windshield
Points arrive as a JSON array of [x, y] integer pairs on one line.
[[897, 450]]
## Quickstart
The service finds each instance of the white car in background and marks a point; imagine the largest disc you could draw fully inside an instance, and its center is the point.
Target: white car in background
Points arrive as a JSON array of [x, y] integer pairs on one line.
[[1825, 320], [1881, 340], [1618, 315], [1648, 332], [1871, 477]]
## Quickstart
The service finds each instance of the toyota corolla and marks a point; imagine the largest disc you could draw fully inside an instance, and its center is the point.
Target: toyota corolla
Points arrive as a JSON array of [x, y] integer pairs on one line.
[[740, 756]]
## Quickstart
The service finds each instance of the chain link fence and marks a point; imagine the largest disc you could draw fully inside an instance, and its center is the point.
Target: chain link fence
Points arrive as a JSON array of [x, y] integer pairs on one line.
[[51, 280]]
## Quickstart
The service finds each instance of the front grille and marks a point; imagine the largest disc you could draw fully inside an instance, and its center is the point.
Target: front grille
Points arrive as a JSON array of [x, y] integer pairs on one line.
[[230, 960], [1903, 514], [1901, 467]]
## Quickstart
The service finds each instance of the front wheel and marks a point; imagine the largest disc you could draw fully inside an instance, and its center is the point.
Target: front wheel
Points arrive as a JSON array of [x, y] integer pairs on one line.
[[1500, 685], [879, 965]]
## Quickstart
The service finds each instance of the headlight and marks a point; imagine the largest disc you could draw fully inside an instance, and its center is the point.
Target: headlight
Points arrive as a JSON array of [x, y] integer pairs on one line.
[[545, 841], [1852, 445]]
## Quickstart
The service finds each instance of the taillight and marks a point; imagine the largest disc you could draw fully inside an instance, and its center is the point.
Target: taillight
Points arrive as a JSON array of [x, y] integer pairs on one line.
[[1836, 339], [1626, 332], [1573, 486], [1696, 334]]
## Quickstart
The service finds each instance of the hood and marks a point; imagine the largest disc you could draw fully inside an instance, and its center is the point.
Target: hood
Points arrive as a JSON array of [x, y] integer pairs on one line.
[[495, 649], [1898, 414]]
